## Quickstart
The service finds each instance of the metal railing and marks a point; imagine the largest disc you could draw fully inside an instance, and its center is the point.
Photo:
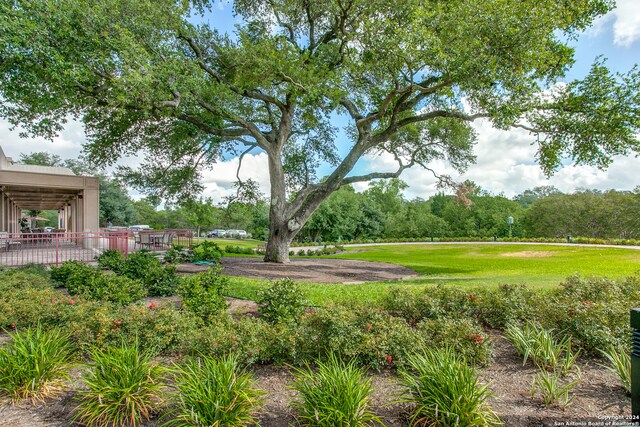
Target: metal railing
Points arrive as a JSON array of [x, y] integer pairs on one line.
[[54, 248]]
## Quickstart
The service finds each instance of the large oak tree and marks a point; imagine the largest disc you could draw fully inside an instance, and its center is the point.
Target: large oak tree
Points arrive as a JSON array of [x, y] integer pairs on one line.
[[410, 76]]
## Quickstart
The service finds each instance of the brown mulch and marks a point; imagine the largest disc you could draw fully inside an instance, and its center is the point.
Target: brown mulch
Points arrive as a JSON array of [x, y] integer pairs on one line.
[[317, 270], [597, 395]]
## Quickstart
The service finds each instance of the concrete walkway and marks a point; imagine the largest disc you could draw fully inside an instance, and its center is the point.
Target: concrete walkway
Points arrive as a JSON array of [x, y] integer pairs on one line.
[[360, 245]]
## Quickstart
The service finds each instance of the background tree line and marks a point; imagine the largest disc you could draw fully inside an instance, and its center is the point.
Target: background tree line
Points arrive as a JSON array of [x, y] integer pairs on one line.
[[381, 212]]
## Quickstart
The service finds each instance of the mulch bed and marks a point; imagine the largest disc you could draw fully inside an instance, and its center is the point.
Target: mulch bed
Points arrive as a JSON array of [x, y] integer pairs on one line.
[[320, 270], [598, 395]]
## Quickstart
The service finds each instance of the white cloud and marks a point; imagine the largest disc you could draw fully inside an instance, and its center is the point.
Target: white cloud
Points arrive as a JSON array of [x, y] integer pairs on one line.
[[505, 164], [219, 179], [626, 28]]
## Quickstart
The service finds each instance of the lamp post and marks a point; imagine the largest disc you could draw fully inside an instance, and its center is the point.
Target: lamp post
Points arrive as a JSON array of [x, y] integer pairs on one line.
[[510, 221]]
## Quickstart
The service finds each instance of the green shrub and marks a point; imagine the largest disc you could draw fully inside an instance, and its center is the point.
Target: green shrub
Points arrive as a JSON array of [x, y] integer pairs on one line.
[[111, 259], [367, 335], [301, 252], [593, 312], [33, 364], [445, 391], [117, 289], [215, 392], [176, 255], [464, 336], [432, 303], [507, 304], [137, 264], [123, 387], [73, 275], [203, 293], [24, 305], [335, 394], [206, 251], [282, 301], [230, 249], [161, 281]]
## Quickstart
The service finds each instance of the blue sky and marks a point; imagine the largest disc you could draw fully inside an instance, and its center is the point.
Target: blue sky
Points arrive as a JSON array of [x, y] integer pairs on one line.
[[505, 159]]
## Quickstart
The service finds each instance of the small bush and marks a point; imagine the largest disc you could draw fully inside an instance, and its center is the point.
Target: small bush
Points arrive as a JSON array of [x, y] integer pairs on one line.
[[283, 301], [203, 293], [301, 252], [161, 281], [73, 275], [207, 251], [215, 393], [336, 394], [111, 259], [464, 336], [123, 387], [33, 364], [117, 289], [137, 264], [230, 249], [176, 255], [445, 391]]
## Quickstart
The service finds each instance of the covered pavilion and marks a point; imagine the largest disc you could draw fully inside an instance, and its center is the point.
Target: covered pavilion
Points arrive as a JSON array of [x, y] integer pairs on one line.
[[76, 198]]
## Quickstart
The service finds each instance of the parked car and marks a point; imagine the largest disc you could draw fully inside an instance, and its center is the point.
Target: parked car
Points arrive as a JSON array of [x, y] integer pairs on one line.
[[217, 233], [238, 234], [139, 227]]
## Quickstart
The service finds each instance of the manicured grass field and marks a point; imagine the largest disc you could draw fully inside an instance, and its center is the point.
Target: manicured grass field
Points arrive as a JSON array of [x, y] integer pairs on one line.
[[243, 243], [487, 264], [468, 266]]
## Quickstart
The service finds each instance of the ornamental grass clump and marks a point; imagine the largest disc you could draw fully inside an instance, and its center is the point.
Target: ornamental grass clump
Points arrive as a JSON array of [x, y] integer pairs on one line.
[[335, 394], [215, 392], [620, 364], [545, 351], [33, 364], [445, 391], [124, 388]]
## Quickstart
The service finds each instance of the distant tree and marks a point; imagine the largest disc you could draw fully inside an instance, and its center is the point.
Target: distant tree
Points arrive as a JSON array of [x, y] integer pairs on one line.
[[527, 197], [116, 207]]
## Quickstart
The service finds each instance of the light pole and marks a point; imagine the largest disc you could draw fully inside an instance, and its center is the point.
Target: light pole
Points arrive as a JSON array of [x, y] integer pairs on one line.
[[510, 221]]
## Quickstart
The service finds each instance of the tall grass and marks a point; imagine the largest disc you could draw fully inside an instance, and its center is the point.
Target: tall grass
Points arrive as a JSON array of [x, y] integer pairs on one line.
[[337, 394], [620, 364], [445, 391], [215, 393], [123, 388], [33, 364]]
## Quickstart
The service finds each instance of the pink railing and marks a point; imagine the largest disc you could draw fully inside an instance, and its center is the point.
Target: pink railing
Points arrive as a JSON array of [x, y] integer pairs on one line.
[[54, 248]]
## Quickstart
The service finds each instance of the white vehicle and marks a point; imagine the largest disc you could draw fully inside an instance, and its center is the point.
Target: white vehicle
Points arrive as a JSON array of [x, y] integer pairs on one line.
[[236, 233], [217, 233], [139, 227]]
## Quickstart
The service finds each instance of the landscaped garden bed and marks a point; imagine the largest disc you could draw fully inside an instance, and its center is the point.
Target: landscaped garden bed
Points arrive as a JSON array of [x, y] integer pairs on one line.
[[566, 330]]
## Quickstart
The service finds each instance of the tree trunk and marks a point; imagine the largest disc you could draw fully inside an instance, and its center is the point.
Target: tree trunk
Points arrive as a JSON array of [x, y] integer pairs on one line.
[[277, 249], [278, 244]]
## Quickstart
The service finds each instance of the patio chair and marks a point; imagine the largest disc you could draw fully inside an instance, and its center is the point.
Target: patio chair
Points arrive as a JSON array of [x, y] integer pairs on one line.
[[145, 240], [6, 242], [136, 240], [167, 238]]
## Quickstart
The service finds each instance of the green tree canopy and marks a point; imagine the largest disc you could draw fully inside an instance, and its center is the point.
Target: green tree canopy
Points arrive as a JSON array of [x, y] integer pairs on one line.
[[410, 75]]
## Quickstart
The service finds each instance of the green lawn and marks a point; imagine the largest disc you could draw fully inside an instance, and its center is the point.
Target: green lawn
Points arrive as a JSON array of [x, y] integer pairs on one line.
[[243, 243], [468, 266]]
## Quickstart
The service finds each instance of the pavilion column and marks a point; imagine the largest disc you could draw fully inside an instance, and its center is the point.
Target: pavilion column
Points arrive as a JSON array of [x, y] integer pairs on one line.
[[3, 223], [91, 209]]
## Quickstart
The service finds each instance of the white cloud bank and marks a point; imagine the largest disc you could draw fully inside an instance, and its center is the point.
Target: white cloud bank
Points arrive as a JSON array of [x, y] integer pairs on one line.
[[506, 164], [626, 28]]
